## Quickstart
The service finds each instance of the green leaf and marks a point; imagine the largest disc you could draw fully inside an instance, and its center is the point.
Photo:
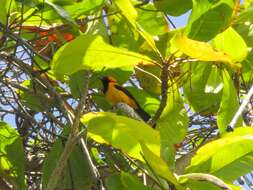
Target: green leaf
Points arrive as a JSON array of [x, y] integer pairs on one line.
[[247, 69], [148, 77], [246, 15], [94, 55], [127, 10], [148, 103], [208, 18], [3, 11], [69, 12], [203, 185], [173, 7], [77, 173], [61, 12], [122, 132], [173, 124], [12, 157], [152, 21], [131, 14], [114, 182], [202, 91], [226, 41], [124, 181], [228, 157], [33, 98], [229, 104], [158, 165], [132, 182]]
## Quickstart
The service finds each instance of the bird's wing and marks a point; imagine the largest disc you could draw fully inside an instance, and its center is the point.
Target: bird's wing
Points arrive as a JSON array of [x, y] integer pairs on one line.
[[127, 93]]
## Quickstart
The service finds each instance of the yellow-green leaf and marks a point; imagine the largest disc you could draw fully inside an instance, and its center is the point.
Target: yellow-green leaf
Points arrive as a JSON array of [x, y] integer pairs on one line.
[[121, 132], [228, 157], [91, 52], [226, 41], [198, 50]]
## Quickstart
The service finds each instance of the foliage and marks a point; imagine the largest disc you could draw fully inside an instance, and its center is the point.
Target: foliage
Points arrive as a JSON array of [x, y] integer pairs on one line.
[[191, 80]]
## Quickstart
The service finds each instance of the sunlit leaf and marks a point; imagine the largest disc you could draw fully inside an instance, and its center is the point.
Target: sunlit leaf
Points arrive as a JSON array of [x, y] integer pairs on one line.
[[92, 53], [229, 104], [152, 21], [226, 41], [228, 157], [128, 10], [131, 14], [122, 132], [208, 18], [201, 51], [12, 156]]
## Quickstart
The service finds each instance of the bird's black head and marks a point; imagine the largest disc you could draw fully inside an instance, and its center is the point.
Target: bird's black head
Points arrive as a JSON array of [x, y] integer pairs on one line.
[[105, 81]]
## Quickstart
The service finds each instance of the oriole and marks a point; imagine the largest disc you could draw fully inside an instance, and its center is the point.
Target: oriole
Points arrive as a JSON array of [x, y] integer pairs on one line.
[[115, 93]]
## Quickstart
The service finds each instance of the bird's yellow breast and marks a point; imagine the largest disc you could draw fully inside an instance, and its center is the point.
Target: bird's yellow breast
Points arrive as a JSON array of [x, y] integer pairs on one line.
[[114, 96]]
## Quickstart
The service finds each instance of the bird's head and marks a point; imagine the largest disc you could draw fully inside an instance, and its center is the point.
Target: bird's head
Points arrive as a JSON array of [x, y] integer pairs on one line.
[[106, 80]]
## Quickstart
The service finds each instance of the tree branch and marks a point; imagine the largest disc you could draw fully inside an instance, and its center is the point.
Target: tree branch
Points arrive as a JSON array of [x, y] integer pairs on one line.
[[71, 141], [164, 90]]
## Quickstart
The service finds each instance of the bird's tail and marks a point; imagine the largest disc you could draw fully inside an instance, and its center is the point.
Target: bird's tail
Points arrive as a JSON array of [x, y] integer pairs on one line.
[[144, 115]]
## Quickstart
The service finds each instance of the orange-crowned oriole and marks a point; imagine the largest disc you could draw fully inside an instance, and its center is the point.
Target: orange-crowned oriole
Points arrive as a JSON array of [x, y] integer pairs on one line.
[[115, 93]]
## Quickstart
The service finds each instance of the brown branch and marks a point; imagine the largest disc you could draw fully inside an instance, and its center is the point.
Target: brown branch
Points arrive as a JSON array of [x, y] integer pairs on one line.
[[164, 90], [19, 40], [71, 142], [4, 185]]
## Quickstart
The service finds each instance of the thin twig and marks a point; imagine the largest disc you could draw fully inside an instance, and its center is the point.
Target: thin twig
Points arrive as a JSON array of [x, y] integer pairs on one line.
[[16, 38]]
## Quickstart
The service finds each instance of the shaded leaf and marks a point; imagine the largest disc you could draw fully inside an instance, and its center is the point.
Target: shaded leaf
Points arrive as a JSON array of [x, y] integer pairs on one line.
[[77, 173], [208, 18], [148, 103], [173, 124], [173, 7], [229, 104], [158, 165], [203, 91], [124, 181]]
